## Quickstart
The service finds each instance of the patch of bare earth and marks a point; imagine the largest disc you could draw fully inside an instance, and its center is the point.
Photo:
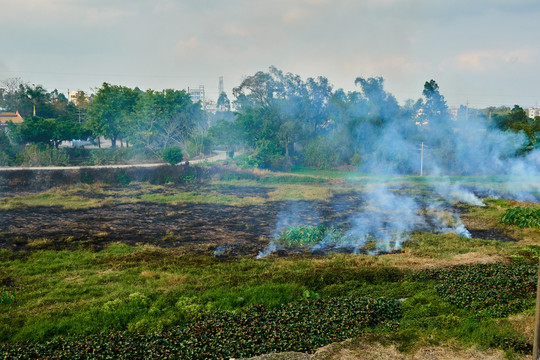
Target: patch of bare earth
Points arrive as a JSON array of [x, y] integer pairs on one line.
[[357, 349]]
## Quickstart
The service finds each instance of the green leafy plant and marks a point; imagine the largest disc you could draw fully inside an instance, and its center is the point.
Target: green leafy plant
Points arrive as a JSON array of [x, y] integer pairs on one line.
[[494, 290], [522, 217], [300, 326], [308, 235], [6, 296], [172, 155]]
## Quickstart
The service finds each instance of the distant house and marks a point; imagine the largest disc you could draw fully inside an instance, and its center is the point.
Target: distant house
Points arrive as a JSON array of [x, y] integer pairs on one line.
[[6, 117], [533, 112]]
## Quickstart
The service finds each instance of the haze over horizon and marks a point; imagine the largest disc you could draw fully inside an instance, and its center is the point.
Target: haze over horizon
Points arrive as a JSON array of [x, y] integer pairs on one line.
[[482, 52]]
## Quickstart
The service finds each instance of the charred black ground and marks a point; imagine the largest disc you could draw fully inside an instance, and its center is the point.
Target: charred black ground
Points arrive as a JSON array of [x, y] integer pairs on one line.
[[221, 229]]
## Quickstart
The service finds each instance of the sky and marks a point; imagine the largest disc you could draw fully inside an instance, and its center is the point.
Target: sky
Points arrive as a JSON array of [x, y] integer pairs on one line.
[[484, 52]]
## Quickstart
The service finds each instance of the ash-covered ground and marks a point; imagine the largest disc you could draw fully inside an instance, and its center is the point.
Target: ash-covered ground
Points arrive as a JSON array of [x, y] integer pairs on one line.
[[233, 230]]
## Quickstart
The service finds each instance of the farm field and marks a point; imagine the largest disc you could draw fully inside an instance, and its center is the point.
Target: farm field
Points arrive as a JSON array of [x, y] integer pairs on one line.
[[239, 263]]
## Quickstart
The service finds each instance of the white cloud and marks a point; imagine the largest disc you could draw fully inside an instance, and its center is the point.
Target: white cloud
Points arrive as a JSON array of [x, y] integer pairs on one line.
[[235, 30], [105, 16], [185, 48], [492, 59], [292, 16], [165, 7]]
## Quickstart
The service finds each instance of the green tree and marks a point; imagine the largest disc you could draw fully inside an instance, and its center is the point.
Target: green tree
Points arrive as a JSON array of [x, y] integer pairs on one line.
[[517, 120], [34, 129], [225, 133], [165, 118], [435, 110], [111, 112], [223, 102], [65, 129]]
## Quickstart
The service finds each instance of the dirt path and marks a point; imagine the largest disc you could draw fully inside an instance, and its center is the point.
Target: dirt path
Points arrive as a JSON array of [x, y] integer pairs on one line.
[[220, 155]]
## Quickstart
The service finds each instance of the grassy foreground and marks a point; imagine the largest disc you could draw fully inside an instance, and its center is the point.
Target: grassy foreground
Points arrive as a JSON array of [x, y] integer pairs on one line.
[[141, 290], [128, 300]]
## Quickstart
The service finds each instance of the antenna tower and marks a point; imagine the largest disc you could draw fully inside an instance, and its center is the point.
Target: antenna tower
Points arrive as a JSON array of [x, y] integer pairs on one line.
[[221, 89]]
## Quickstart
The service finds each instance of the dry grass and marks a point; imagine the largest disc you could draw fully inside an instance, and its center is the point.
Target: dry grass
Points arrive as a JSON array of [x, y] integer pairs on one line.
[[77, 279], [39, 244], [369, 349], [172, 280], [524, 324], [149, 274], [300, 192], [412, 262]]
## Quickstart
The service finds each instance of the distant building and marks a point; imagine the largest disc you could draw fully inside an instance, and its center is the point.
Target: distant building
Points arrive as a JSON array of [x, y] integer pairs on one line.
[[210, 106], [453, 114], [197, 94], [74, 96], [533, 112], [6, 117]]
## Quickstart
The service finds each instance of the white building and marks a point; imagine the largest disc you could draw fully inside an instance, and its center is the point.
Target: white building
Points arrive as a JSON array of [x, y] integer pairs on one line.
[[534, 112], [75, 95], [197, 94]]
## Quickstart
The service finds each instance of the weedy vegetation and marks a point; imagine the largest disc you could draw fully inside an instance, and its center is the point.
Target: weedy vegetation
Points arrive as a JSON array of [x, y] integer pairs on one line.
[[523, 217], [132, 300]]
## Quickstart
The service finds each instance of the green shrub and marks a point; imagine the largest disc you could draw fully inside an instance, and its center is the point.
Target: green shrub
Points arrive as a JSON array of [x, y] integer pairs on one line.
[[320, 154], [522, 217], [308, 235], [172, 155], [110, 156], [122, 177], [36, 155], [5, 159]]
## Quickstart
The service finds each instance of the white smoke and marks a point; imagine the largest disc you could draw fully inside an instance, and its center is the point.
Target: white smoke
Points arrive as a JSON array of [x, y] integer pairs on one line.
[[288, 217], [387, 218]]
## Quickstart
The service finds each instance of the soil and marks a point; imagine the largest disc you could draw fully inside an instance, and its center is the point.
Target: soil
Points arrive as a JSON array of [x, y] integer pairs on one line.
[[490, 235]]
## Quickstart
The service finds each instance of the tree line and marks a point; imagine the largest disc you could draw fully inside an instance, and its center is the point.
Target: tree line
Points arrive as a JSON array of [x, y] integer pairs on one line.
[[280, 118]]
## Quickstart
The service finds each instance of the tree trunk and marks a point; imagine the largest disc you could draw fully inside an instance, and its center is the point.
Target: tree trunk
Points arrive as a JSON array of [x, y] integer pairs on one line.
[[113, 142], [99, 142]]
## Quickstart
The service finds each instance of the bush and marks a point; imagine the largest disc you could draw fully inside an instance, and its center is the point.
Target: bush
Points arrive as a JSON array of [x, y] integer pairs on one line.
[[308, 235], [172, 155], [522, 217], [266, 156], [110, 156], [321, 155], [4, 158], [36, 155]]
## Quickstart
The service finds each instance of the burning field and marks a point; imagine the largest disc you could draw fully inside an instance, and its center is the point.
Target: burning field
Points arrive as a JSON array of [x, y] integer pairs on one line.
[[245, 218], [252, 259]]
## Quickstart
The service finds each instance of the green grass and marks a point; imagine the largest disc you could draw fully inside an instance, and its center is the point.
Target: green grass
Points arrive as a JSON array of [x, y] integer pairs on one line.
[[142, 289], [122, 287]]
